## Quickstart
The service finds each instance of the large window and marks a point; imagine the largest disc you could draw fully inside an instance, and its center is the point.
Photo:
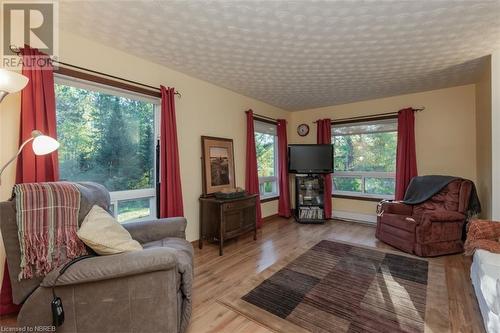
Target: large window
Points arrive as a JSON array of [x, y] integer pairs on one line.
[[108, 136], [365, 158], [266, 144]]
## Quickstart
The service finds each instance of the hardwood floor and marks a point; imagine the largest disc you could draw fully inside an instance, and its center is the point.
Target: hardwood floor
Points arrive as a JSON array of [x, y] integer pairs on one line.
[[279, 238]]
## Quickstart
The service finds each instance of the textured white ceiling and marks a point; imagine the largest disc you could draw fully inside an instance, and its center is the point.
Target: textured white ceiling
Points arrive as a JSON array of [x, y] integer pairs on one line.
[[301, 54]]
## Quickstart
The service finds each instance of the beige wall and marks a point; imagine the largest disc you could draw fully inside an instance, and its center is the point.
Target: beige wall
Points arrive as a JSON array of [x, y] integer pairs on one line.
[[495, 130], [9, 138], [204, 109], [483, 137], [445, 132]]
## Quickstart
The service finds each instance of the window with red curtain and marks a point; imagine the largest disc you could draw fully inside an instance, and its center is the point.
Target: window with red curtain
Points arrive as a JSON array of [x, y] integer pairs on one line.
[[272, 162], [365, 157], [324, 136]]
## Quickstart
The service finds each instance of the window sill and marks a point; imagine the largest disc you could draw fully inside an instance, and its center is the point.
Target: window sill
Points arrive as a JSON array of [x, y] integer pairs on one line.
[[268, 199], [358, 197]]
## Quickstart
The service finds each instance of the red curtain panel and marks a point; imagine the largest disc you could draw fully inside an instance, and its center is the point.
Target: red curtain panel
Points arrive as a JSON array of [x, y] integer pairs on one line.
[[284, 199], [6, 304], [406, 156], [251, 172], [38, 111], [324, 136], [170, 176]]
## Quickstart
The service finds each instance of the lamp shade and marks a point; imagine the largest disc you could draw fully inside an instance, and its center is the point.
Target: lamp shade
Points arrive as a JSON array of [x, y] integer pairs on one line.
[[43, 144], [11, 82]]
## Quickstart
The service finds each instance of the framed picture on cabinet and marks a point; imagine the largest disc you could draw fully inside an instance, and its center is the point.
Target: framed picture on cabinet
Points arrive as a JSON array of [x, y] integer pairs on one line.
[[217, 164]]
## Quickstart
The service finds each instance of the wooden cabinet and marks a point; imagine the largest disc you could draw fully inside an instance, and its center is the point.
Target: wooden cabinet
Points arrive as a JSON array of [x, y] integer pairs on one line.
[[225, 219]]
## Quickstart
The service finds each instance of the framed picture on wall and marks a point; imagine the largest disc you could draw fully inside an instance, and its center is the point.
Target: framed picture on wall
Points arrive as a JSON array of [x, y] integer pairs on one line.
[[217, 164]]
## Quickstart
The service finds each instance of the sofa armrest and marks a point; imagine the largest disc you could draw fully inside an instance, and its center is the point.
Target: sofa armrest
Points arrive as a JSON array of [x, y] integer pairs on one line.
[[113, 266], [396, 207], [149, 231], [443, 216]]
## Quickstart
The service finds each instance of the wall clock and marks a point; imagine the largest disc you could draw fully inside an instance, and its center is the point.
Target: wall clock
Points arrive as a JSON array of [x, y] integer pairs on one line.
[[303, 129]]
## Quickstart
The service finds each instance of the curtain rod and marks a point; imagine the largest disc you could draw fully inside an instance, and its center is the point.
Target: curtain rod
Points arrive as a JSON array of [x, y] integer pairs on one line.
[[374, 115], [112, 76], [17, 51], [262, 117], [265, 117]]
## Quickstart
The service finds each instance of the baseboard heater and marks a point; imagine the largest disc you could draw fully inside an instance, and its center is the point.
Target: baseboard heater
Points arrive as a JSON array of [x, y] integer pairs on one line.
[[354, 217]]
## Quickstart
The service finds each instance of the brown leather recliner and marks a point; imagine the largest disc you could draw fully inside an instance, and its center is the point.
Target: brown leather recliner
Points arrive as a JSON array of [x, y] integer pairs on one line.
[[429, 229]]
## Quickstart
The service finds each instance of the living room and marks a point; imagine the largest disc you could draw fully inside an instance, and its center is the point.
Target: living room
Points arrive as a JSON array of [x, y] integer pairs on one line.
[[355, 65]]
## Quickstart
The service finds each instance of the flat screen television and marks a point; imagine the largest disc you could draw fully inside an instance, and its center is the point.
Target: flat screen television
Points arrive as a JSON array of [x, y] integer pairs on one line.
[[310, 158]]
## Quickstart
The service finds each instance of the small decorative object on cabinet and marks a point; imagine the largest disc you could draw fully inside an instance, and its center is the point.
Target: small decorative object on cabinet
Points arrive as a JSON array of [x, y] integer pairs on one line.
[[309, 206], [234, 193], [221, 220]]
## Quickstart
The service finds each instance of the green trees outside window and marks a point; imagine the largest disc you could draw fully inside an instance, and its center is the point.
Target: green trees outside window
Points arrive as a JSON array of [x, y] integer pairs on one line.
[[108, 139], [365, 158], [266, 148]]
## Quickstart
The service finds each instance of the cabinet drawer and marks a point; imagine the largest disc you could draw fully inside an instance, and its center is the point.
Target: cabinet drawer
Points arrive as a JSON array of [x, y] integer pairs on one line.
[[238, 205]]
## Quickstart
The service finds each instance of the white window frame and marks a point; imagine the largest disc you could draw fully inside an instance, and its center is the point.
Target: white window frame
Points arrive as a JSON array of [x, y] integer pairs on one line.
[[274, 179], [363, 175], [117, 196]]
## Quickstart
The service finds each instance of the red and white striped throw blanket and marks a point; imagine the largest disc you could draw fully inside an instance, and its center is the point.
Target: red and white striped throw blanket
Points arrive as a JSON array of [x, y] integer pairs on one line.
[[47, 220]]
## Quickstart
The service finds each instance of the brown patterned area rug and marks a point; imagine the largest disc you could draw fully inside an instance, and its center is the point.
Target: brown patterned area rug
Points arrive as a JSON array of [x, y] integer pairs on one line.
[[338, 287]]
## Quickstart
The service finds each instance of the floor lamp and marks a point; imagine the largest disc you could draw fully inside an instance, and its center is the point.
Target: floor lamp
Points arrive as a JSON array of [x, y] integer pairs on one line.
[[11, 82]]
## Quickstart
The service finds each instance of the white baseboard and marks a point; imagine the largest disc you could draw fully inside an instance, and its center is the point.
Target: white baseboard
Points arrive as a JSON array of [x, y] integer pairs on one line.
[[356, 217]]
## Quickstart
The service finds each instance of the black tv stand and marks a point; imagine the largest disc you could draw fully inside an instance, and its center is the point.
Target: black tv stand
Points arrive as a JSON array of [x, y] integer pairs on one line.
[[309, 203]]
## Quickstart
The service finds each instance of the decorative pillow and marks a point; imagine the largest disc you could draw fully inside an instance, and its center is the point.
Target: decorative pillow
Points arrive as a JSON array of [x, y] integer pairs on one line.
[[105, 235]]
